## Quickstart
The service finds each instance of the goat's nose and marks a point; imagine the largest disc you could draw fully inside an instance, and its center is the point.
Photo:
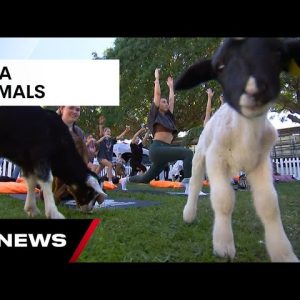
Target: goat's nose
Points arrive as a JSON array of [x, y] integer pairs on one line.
[[251, 86]]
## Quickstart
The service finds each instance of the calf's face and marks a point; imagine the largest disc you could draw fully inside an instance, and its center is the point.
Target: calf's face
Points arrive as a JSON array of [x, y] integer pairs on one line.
[[248, 71]]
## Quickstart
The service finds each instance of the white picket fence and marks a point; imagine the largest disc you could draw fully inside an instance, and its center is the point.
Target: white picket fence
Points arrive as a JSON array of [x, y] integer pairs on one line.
[[284, 166], [288, 166], [6, 167]]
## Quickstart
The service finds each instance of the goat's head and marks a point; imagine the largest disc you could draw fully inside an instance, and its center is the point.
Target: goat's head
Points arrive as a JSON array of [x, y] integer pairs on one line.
[[248, 70], [88, 194]]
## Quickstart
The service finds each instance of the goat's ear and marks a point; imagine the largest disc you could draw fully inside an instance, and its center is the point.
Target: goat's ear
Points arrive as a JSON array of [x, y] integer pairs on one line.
[[293, 48], [199, 72]]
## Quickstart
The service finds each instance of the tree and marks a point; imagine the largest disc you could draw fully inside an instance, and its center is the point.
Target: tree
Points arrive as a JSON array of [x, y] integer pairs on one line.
[[88, 120], [138, 59], [289, 99]]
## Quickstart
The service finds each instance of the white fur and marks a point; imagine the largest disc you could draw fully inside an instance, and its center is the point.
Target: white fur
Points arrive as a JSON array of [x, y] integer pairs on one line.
[[251, 86], [30, 204], [30, 207], [228, 144]]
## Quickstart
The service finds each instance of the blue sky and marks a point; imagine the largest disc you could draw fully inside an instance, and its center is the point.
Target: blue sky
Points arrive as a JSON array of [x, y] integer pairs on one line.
[[53, 48]]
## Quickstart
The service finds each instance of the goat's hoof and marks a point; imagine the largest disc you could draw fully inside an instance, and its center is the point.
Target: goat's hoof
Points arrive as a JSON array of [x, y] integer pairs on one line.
[[32, 211], [224, 250], [285, 258], [189, 214], [54, 215], [281, 250]]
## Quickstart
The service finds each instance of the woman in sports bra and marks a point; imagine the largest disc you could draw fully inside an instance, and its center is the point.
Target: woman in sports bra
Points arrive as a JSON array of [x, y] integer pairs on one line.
[[161, 123]]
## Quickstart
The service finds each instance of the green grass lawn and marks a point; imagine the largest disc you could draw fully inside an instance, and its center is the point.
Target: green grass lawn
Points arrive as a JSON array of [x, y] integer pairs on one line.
[[158, 233]]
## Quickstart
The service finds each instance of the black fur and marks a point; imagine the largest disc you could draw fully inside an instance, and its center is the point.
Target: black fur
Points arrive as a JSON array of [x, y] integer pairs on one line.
[[238, 59], [38, 141]]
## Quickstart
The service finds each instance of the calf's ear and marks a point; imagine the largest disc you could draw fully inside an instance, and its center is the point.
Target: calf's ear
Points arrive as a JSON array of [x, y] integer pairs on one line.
[[199, 72]]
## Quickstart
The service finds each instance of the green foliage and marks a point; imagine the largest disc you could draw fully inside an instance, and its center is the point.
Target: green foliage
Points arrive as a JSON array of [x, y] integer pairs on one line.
[[88, 120], [289, 98], [138, 59]]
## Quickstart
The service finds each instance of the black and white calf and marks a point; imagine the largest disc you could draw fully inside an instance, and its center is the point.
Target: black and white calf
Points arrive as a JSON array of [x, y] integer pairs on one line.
[[240, 137], [40, 143]]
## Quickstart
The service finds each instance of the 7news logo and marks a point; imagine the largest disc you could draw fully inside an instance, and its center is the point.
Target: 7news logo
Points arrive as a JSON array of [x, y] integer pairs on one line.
[[33, 240], [50, 241]]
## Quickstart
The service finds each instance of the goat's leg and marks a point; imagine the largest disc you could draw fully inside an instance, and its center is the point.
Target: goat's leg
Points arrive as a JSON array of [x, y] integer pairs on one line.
[[266, 204], [30, 204], [222, 200], [51, 210], [195, 186]]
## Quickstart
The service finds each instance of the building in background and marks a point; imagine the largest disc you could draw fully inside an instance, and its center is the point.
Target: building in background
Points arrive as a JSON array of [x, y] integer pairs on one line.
[[288, 143], [286, 153]]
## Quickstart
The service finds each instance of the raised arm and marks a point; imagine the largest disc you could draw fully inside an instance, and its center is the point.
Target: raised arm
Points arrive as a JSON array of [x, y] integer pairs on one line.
[[123, 133], [101, 139], [210, 95], [171, 94], [157, 92], [137, 134], [101, 122], [145, 137]]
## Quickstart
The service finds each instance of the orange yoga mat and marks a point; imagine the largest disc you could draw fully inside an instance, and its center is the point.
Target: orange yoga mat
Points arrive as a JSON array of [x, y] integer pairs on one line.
[[170, 184], [18, 187]]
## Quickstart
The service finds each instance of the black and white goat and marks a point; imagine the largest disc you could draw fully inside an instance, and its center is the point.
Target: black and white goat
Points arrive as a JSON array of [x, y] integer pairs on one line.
[[240, 137], [40, 143]]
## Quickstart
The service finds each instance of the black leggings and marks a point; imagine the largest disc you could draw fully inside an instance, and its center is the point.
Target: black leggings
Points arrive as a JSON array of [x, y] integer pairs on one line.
[[160, 154]]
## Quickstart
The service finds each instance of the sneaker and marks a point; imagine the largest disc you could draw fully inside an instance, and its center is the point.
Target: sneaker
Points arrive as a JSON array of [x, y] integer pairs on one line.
[[123, 182]]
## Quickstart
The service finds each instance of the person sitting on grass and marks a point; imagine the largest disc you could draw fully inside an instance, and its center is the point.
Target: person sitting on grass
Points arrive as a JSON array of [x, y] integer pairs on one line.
[[105, 153]]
